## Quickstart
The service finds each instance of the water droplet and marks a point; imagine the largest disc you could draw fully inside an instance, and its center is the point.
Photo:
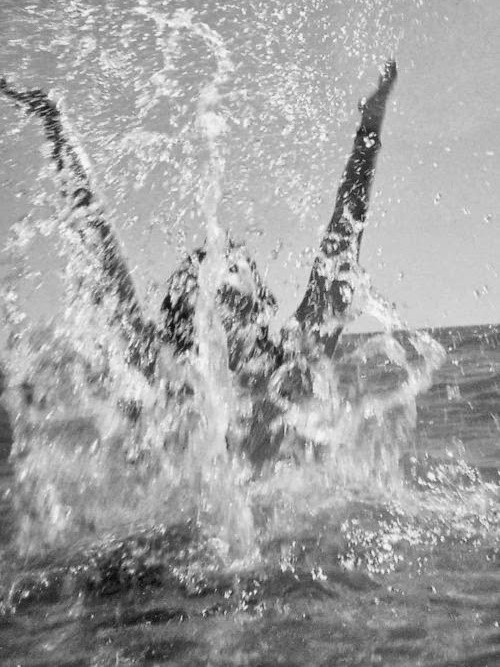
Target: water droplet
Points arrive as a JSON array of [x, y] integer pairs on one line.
[[277, 249], [481, 291]]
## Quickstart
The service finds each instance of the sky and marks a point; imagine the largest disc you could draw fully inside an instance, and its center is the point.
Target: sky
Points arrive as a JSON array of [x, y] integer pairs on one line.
[[433, 237], [441, 235]]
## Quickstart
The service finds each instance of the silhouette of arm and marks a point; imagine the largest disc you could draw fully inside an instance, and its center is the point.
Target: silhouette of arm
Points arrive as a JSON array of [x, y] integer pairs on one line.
[[330, 288], [96, 235]]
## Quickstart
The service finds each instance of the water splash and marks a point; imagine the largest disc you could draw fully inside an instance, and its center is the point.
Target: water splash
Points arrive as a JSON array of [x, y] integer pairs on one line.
[[84, 469]]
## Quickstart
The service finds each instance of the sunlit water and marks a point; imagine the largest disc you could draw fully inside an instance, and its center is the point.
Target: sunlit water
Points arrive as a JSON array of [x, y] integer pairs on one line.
[[150, 543]]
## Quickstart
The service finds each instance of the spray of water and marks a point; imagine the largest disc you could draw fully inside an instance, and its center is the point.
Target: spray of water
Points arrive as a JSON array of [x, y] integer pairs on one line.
[[84, 468]]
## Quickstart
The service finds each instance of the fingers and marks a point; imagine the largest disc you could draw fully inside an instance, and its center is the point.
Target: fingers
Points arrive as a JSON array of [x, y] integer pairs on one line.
[[389, 74]]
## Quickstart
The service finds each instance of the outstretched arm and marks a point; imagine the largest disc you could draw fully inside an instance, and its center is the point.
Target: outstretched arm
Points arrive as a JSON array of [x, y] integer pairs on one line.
[[330, 288], [97, 238]]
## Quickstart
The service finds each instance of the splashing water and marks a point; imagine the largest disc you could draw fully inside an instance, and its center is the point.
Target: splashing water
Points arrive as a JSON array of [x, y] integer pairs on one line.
[[85, 471]]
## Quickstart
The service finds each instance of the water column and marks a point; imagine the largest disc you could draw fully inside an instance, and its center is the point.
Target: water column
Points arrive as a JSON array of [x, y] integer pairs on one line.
[[214, 379], [223, 502], [212, 343]]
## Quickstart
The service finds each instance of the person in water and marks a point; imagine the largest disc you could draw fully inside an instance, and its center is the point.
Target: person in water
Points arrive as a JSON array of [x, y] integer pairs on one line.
[[271, 371]]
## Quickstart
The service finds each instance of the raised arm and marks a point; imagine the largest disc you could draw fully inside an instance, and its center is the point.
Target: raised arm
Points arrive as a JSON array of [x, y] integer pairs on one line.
[[330, 289], [97, 238]]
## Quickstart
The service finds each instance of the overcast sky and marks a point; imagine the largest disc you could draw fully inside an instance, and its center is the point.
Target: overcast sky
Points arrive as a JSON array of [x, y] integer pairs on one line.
[[433, 240]]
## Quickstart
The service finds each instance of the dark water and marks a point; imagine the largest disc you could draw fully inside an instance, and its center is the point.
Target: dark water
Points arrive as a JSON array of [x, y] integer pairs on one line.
[[406, 577], [463, 404]]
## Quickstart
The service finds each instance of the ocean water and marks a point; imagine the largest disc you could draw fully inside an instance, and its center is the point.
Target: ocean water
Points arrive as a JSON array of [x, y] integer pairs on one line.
[[404, 576], [373, 540]]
